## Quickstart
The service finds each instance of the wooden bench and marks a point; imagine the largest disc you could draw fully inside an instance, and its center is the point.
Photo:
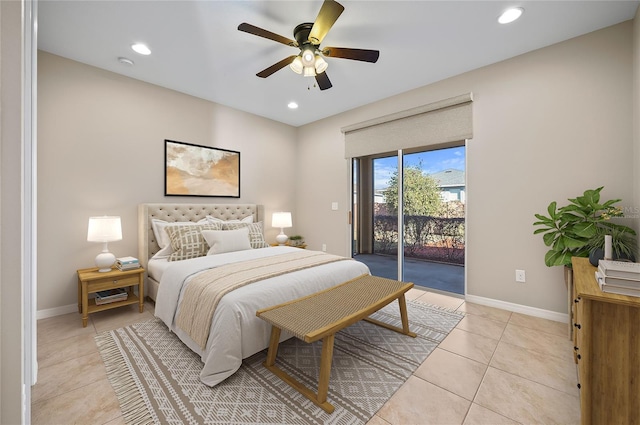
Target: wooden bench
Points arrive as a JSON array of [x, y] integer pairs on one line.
[[321, 315]]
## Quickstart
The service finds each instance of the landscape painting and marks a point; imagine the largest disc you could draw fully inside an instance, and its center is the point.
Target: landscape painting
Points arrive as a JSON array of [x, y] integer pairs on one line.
[[194, 170]]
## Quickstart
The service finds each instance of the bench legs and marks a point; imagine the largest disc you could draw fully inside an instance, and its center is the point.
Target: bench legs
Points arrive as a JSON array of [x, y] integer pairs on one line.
[[319, 398], [403, 317]]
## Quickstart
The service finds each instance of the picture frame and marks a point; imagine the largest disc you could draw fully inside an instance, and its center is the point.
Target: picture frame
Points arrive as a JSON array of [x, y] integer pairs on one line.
[[196, 170]]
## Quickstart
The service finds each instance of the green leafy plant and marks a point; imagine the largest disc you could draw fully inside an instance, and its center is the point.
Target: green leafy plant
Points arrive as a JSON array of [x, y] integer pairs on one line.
[[295, 240], [573, 230], [624, 244]]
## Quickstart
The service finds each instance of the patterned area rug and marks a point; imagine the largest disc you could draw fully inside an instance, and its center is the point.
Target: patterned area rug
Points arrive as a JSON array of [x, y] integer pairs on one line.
[[155, 376]]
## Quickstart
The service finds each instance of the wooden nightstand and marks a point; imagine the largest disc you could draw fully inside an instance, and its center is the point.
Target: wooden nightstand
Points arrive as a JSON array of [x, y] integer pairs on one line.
[[303, 246], [90, 281]]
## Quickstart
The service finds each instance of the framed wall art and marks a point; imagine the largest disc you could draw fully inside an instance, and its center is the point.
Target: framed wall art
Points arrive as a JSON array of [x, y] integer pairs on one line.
[[194, 170]]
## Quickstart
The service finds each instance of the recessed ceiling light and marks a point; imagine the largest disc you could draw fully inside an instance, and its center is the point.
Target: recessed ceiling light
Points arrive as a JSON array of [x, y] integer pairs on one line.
[[292, 105], [141, 48], [510, 15], [125, 61]]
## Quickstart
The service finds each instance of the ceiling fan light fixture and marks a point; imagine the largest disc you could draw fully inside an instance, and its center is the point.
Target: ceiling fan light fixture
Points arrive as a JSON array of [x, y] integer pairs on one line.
[[296, 65], [321, 64], [309, 71], [510, 15], [308, 57]]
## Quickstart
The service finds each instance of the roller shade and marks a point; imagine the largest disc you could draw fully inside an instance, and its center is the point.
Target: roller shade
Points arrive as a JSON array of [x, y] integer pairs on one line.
[[445, 121]]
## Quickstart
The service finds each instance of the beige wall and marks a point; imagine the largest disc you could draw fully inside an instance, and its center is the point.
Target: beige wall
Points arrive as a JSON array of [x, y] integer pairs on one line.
[[547, 125], [11, 345], [101, 151]]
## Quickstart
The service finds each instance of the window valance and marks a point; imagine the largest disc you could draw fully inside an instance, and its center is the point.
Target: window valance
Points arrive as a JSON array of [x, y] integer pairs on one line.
[[440, 122]]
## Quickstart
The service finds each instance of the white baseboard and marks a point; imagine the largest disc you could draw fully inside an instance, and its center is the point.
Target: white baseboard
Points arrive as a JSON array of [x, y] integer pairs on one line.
[[518, 308], [57, 311]]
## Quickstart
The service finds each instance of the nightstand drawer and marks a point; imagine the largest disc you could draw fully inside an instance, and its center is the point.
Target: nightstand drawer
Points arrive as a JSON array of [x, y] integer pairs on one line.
[[111, 283]]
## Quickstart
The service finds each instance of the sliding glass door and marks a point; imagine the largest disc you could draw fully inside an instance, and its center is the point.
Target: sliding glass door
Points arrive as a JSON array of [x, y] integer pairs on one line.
[[409, 224]]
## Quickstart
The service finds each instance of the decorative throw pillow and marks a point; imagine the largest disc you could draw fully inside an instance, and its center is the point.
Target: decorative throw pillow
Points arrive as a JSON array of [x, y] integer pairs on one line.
[[187, 241], [227, 240], [256, 237], [158, 227]]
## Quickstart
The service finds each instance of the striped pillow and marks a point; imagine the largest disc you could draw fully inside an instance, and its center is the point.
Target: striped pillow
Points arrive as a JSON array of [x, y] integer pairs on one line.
[[187, 240], [256, 236]]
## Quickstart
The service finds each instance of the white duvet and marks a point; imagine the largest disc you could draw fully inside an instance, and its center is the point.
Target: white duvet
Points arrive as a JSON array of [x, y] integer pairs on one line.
[[236, 333]]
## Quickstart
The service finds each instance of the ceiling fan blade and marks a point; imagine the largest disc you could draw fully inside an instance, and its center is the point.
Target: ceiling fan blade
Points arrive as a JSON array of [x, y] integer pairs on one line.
[[328, 15], [323, 81], [276, 67], [363, 55], [252, 29]]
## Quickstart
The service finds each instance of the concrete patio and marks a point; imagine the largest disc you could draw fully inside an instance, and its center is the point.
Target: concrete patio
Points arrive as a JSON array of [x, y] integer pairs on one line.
[[437, 276]]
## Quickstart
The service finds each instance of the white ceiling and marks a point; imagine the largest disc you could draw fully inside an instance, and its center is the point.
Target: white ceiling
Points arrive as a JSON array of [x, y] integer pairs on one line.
[[197, 49]]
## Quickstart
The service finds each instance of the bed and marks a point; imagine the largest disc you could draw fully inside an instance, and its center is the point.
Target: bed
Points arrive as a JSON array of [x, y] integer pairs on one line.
[[231, 331]]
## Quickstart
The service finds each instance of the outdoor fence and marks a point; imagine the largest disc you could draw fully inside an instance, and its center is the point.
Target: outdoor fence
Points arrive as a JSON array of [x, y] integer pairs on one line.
[[430, 238]]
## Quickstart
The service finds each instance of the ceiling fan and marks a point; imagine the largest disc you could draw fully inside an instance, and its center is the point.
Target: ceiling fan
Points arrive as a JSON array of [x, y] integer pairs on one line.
[[308, 36]]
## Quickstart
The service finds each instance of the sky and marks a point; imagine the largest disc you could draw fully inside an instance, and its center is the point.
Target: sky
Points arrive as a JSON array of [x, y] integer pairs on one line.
[[432, 162]]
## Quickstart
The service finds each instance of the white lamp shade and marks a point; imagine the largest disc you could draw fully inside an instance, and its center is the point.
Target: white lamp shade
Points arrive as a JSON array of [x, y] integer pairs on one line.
[[281, 220], [309, 71], [321, 64], [104, 229], [296, 65]]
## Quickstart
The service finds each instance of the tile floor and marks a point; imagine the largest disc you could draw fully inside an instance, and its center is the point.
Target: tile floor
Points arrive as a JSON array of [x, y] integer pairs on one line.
[[496, 367]]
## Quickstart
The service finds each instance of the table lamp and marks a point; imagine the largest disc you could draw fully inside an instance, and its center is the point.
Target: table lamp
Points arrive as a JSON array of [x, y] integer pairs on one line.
[[104, 229], [281, 220]]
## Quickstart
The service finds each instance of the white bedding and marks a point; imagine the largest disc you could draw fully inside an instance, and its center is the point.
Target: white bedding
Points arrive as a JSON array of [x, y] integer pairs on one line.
[[236, 332], [156, 267]]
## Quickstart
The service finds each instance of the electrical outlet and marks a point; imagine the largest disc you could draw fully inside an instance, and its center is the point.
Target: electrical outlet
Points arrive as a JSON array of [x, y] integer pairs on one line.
[[324, 247], [520, 276]]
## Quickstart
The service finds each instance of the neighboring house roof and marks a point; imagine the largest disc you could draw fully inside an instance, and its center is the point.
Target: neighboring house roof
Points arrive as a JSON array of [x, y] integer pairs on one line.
[[449, 177]]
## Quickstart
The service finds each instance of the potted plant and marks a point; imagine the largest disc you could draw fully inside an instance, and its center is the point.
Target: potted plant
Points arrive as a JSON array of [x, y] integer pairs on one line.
[[575, 229], [295, 240], [624, 244]]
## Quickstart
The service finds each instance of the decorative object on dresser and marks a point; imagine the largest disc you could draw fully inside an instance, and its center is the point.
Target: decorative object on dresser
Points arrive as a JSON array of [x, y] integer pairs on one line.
[[104, 229], [91, 281], [194, 170], [281, 220], [606, 346], [619, 277]]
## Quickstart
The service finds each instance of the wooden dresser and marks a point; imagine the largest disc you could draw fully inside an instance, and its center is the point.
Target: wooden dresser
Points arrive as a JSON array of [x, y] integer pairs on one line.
[[606, 341]]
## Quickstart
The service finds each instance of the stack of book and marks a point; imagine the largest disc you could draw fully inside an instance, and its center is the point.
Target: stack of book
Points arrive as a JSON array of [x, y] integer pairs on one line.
[[127, 263], [619, 277], [110, 296]]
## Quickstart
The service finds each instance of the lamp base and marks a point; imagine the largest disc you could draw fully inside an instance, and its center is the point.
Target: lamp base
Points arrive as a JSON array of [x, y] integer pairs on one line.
[[282, 238], [104, 261]]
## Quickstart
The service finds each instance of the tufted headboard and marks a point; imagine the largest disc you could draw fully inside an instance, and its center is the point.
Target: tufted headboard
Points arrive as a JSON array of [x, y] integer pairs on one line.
[[147, 245]]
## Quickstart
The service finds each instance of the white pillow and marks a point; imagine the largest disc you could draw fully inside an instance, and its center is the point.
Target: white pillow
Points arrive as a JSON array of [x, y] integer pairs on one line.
[[248, 219], [256, 236], [162, 237], [227, 240]]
